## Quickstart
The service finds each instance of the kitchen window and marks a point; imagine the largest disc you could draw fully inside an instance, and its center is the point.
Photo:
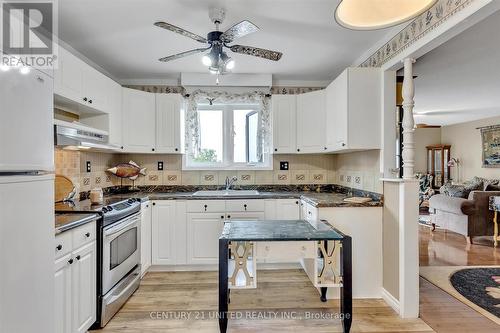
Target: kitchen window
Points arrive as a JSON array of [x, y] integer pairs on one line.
[[228, 139]]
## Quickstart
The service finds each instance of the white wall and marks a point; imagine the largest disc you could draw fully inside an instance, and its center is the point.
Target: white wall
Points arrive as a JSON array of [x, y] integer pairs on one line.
[[465, 141]]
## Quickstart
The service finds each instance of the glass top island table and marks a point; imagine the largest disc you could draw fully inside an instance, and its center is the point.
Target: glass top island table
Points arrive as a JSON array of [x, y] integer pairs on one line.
[[326, 254]]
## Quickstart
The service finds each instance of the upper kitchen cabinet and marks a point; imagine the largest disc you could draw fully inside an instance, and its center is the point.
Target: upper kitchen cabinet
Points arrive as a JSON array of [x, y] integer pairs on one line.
[[115, 114], [79, 87], [168, 123], [353, 110], [311, 129], [139, 120], [284, 109]]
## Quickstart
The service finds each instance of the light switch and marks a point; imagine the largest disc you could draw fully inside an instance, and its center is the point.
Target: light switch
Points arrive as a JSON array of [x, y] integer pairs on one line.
[[160, 165]]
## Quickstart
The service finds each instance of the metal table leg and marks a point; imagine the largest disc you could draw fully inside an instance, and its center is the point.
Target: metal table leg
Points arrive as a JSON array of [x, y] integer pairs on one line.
[[223, 284], [495, 229], [346, 289]]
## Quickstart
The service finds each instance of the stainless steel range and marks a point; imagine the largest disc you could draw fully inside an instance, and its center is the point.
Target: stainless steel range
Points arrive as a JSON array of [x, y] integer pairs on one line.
[[119, 257]]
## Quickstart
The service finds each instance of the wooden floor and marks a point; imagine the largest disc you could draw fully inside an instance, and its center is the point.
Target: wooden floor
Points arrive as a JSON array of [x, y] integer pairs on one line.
[[438, 309], [282, 291]]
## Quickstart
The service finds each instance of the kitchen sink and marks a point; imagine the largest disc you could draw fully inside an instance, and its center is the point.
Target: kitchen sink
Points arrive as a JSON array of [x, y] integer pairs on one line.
[[225, 193]]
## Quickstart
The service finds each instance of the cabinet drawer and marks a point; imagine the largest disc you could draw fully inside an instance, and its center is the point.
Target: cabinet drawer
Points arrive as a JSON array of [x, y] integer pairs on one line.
[[245, 205], [286, 251], [63, 244], [83, 234], [209, 206]]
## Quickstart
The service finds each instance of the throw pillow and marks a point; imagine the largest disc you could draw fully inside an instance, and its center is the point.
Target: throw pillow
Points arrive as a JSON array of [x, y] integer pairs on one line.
[[476, 184], [488, 182], [492, 187]]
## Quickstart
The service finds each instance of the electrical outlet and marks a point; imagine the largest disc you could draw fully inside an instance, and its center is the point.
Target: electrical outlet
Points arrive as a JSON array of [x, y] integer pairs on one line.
[[160, 165], [89, 167], [284, 165]]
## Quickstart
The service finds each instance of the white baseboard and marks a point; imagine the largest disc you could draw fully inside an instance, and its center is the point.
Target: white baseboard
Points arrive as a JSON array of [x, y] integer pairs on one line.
[[193, 268], [390, 300]]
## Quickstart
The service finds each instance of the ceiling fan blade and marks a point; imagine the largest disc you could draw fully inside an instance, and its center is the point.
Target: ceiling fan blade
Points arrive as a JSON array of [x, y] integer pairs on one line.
[[181, 31], [239, 30], [182, 54], [257, 52]]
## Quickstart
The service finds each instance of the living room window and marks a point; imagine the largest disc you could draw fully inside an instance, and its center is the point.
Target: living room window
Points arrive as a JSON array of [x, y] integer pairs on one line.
[[228, 139]]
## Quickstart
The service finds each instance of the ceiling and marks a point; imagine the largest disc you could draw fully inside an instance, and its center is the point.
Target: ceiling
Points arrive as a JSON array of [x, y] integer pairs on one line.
[[119, 36], [460, 80]]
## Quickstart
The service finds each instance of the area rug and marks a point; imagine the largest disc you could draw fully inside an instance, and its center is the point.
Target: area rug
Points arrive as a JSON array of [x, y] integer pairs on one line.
[[476, 286]]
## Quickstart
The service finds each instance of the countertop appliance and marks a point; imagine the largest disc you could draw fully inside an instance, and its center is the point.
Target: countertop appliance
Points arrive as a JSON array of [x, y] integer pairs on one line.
[[26, 201], [118, 251]]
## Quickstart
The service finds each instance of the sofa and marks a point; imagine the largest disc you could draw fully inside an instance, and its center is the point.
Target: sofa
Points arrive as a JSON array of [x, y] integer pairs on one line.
[[464, 209]]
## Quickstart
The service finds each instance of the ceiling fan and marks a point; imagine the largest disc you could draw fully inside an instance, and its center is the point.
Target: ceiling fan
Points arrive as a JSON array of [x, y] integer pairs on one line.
[[216, 59]]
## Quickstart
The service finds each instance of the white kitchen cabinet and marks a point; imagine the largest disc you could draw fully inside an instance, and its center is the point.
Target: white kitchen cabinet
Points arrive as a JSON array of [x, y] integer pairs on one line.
[[203, 232], [62, 306], [284, 109], [75, 279], [308, 211], [353, 110], [95, 89], [146, 234], [83, 289], [115, 114], [68, 76], [163, 232], [247, 216], [168, 123], [288, 209], [311, 116], [139, 121]]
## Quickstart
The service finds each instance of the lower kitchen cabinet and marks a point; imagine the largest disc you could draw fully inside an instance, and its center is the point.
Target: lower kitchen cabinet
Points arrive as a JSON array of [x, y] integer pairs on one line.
[[288, 209], [163, 232], [203, 232], [75, 280], [146, 235]]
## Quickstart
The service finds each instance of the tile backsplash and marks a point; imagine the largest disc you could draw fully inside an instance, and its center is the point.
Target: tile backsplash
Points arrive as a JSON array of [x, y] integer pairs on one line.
[[302, 169]]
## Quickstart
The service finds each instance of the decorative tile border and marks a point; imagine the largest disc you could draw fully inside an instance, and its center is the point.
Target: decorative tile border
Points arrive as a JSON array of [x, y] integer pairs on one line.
[[180, 90], [415, 30]]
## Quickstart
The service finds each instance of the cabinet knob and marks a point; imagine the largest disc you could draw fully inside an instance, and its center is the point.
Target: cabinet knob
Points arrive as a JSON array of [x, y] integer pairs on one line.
[[90, 101], [205, 206], [298, 149], [147, 206], [85, 99], [154, 203], [222, 216], [87, 234], [152, 149], [325, 148], [245, 205], [229, 216], [176, 149], [78, 257], [343, 144], [275, 149], [40, 79], [59, 247], [121, 147], [70, 261], [296, 202]]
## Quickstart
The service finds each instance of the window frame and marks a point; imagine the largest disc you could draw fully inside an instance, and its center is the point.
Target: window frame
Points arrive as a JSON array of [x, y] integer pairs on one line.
[[228, 142]]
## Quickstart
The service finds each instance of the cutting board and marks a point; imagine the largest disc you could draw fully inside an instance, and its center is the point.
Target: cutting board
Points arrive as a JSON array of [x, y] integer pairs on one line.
[[63, 187], [358, 199]]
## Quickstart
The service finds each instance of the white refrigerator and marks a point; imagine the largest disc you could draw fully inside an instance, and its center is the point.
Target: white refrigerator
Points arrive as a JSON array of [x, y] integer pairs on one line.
[[26, 202]]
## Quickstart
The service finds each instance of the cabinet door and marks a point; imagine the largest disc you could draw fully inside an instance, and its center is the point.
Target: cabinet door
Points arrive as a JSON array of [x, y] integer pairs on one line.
[[62, 307], [115, 114], [139, 118], [168, 124], [338, 114], [145, 236], [203, 232], [84, 287], [69, 76], [95, 89], [284, 123], [163, 233], [287, 209], [311, 130]]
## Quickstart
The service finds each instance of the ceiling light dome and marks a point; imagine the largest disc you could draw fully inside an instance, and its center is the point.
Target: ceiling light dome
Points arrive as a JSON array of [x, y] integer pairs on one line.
[[378, 14]]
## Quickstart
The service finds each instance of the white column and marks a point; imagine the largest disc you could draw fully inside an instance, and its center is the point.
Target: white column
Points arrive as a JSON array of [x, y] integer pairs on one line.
[[408, 121]]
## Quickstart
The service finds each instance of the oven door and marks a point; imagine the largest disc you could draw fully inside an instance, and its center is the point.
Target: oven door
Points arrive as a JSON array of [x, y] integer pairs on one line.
[[120, 250]]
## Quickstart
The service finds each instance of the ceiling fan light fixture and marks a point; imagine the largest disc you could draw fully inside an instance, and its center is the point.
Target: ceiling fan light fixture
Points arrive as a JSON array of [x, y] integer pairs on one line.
[[378, 14], [206, 60], [230, 64]]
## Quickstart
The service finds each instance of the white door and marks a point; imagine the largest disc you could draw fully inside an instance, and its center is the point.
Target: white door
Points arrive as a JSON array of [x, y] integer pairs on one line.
[[84, 287], [203, 232], [115, 114], [62, 304], [26, 121], [168, 124], [340, 111], [163, 233], [145, 236], [284, 123], [68, 76], [287, 209], [95, 89], [139, 121], [311, 129]]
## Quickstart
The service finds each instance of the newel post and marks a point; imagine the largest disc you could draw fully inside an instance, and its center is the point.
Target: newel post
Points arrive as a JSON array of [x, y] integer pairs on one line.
[[408, 121]]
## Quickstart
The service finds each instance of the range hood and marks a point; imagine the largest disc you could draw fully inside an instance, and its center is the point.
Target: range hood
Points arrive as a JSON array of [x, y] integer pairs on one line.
[[76, 136]]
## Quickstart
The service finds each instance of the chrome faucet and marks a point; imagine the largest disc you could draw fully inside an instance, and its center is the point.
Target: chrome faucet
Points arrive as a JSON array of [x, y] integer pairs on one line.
[[229, 182]]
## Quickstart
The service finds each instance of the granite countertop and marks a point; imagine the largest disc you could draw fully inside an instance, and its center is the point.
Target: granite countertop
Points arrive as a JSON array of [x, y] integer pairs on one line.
[[65, 222], [320, 200]]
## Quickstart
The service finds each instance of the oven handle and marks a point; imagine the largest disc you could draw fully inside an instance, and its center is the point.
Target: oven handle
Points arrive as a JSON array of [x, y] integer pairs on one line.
[[125, 224]]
